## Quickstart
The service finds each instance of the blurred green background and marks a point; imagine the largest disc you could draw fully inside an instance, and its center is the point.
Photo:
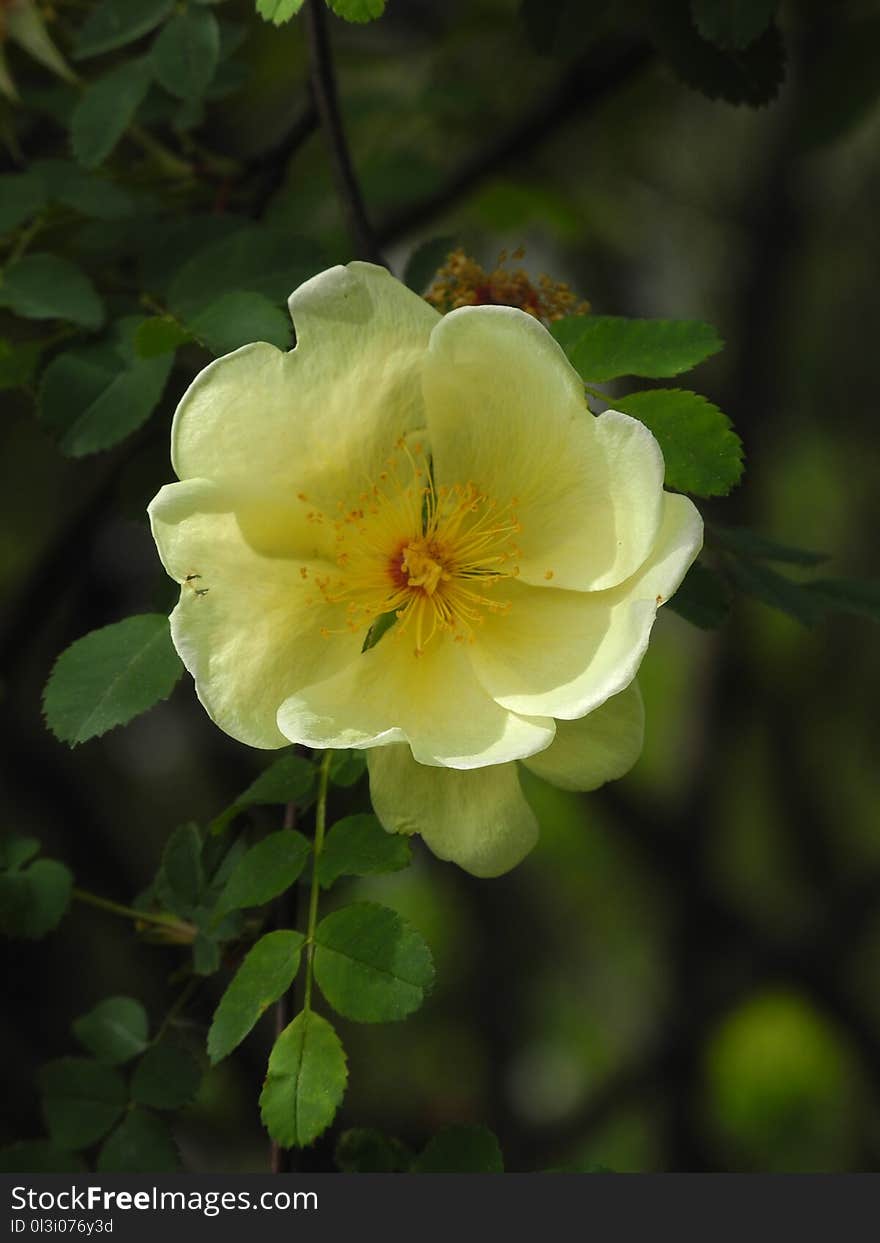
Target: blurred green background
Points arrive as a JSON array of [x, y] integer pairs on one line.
[[684, 974]]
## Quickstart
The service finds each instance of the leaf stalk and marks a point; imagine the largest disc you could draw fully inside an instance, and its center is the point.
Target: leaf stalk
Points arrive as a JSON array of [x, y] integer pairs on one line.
[[317, 847]]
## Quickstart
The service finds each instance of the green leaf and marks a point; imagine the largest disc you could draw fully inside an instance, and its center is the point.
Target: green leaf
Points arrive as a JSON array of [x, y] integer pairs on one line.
[[365, 1151], [91, 194], [115, 1031], [256, 258], [18, 363], [141, 1144], [847, 595], [347, 767], [15, 901], [106, 110], [166, 1077], [206, 955], [110, 676], [461, 1149], [34, 901], [16, 851], [841, 88], [703, 454], [236, 319], [232, 36], [602, 347], [733, 24], [181, 878], [278, 11], [265, 974], [22, 196], [186, 53], [565, 28], [752, 76], [357, 10], [47, 287], [758, 580], [358, 846], [172, 242], [702, 599], [288, 779], [96, 197], [266, 870], [421, 266], [219, 857], [81, 1100], [306, 1081], [370, 964], [114, 23], [159, 335], [38, 1156], [93, 397], [747, 543]]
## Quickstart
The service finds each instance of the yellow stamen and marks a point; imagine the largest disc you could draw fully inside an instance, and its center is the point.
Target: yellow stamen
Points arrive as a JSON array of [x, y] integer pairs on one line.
[[429, 555]]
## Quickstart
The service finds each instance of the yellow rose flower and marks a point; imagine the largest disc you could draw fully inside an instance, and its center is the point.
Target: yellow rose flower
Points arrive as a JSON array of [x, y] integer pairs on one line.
[[444, 475]]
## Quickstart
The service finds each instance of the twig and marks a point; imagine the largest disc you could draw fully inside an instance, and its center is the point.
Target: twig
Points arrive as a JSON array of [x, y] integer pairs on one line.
[[177, 1006], [587, 84], [270, 167], [323, 81], [171, 922]]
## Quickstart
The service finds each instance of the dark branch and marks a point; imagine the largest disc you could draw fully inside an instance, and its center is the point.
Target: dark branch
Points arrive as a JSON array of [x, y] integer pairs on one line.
[[323, 81], [269, 168], [586, 85]]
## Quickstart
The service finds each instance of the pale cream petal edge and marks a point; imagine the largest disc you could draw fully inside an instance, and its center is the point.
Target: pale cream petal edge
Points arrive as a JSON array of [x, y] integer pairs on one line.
[[563, 653], [600, 747], [247, 627], [478, 819]]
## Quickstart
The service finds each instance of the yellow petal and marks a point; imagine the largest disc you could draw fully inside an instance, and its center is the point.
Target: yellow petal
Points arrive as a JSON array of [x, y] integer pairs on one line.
[[322, 419], [433, 701], [506, 410], [244, 627], [477, 819], [563, 653], [597, 748]]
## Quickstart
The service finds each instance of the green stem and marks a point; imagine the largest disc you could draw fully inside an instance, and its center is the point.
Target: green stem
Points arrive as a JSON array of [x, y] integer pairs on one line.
[[166, 159], [129, 912], [177, 1006], [25, 238], [317, 847], [219, 165]]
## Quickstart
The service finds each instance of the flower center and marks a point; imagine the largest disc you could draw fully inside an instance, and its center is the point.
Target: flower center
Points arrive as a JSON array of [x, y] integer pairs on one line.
[[418, 567], [424, 559]]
